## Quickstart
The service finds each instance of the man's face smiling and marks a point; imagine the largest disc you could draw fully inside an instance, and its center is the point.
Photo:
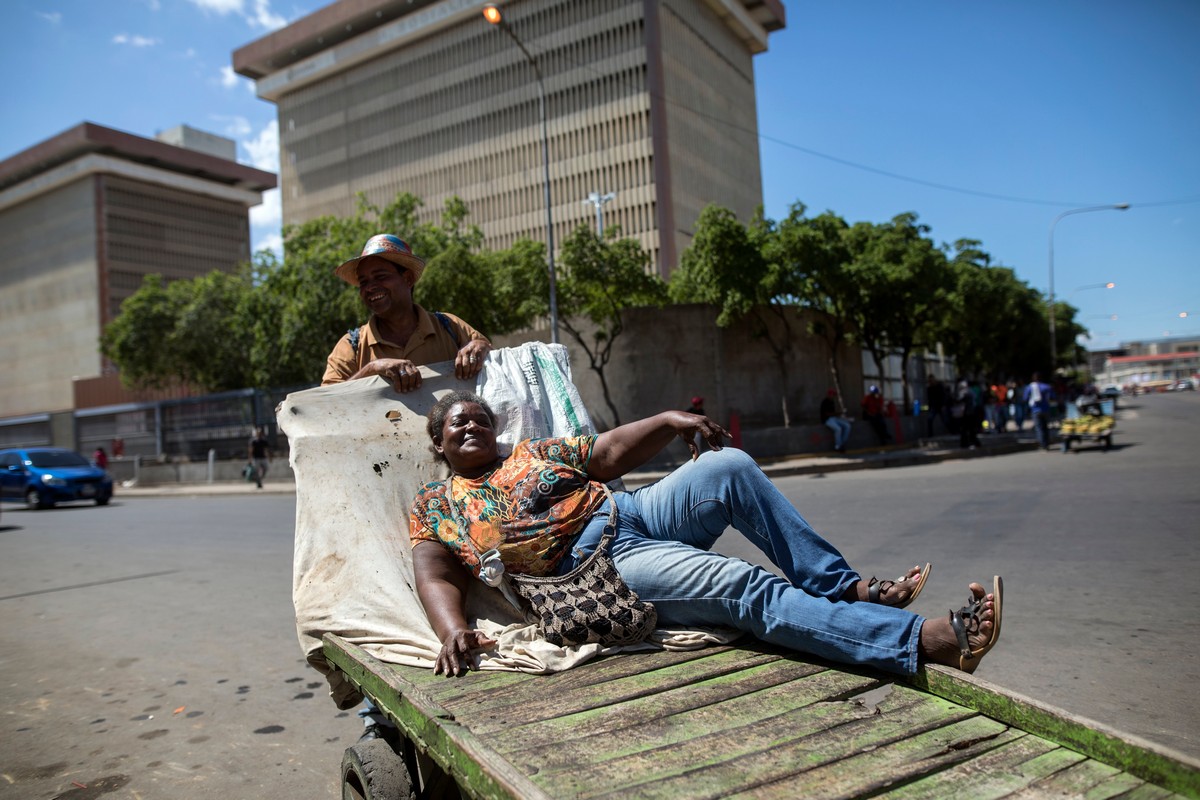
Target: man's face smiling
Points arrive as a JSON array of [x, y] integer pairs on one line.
[[468, 440], [384, 286]]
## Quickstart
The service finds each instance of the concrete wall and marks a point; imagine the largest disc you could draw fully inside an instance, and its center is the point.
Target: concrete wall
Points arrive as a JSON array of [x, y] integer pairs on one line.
[[49, 299], [678, 351]]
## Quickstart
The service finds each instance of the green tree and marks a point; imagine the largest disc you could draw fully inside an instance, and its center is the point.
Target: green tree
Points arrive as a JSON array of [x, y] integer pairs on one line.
[[273, 323], [601, 278], [817, 250], [739, 269], [995, 324], [903, 282], [136, 340]]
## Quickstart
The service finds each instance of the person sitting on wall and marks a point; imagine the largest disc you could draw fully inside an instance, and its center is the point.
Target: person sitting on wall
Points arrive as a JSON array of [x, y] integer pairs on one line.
[[400, 335], [831, 418]]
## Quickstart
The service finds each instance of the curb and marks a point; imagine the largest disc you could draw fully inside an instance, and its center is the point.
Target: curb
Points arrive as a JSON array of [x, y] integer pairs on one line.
[[811, 464]]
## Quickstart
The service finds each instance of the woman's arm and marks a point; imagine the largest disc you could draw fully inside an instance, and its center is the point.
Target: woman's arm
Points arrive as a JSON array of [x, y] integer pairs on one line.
[[622, 449], [442, 587]]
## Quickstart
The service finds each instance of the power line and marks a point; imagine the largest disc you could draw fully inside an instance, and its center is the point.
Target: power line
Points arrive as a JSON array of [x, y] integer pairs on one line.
[[856, 165]]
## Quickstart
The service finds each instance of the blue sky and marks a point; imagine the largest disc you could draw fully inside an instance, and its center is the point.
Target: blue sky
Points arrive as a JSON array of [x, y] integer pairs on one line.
[[987, 119]]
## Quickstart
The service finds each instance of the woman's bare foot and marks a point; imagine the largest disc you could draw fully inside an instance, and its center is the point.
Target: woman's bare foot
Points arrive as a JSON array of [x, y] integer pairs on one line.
[[980, 623], [898, 593]]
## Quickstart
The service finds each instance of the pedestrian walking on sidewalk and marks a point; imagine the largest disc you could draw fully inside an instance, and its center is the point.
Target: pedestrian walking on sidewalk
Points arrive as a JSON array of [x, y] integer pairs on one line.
[[1040, 398], [259, 454]]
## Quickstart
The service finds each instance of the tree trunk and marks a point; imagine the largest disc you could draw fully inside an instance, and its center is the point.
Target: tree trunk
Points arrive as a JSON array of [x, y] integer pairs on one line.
[[596, 360], [905, 355]]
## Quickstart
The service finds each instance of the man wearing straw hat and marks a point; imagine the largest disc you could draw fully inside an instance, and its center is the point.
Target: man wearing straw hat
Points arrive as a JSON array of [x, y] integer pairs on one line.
[[400, 335]]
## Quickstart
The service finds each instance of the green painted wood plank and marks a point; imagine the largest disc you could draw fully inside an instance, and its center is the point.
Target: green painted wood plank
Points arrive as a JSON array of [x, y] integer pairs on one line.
[[874, 769], [1083, 779], [482, 683], [1153, 763], [709, 745], [634, 709], [479, 770], [1117, 785], [498, 714], [795, 698], [997, 773], [903, 718]]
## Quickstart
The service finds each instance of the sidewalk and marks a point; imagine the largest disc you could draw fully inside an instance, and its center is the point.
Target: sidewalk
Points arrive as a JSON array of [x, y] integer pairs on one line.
[[927, 451]]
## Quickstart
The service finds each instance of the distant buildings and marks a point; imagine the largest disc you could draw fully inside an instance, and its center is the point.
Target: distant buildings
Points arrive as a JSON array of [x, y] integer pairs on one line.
[[84, 216], [1151, 363], [653, 100]]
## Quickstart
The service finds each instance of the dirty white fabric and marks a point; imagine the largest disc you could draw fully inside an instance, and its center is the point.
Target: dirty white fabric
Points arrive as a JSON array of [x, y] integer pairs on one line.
[[360, 452]]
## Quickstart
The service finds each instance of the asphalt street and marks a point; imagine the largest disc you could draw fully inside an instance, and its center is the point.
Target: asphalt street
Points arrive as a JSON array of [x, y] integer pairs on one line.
[[148, 648]]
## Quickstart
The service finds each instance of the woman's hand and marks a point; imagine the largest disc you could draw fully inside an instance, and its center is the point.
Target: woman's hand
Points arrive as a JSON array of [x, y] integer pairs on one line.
[[692, 425], [628, 447], [469, 360], [403, 374], [455, 657]]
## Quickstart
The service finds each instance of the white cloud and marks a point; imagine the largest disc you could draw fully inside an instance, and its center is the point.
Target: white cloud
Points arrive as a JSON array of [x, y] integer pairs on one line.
[[265, 17], [264, 148], [135, 40], [259, 16], [266, 224], [229, 78], [235, 127], [53, 17], [221, 7]]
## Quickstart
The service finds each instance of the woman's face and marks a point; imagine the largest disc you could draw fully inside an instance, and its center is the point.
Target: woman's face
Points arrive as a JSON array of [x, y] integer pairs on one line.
[[468, 440]]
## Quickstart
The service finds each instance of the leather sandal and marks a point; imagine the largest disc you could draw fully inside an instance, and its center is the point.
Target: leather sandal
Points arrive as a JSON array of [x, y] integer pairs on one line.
[[966, 621], [876, 588]]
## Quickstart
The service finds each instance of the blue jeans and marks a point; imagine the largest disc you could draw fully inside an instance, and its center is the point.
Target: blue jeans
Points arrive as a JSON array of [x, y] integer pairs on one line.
[[1041, 425], [662, 546], [841, 431]]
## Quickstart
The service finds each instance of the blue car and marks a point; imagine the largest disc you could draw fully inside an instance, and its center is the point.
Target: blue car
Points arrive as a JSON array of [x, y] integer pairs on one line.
[[43, 476]]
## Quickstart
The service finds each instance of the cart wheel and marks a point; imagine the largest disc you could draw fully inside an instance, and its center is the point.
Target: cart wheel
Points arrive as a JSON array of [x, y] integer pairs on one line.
[[374, 771], [1107, 442]]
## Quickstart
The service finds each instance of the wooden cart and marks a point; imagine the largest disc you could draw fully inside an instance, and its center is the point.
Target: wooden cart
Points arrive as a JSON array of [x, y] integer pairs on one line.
[[745, 721]]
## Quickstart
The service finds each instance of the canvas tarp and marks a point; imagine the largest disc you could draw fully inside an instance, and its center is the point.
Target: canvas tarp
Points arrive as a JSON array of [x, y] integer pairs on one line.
[[360, 452]]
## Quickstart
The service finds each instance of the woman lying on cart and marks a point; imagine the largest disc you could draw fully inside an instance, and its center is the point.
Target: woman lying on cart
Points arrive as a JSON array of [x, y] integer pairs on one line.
[[544, 507]]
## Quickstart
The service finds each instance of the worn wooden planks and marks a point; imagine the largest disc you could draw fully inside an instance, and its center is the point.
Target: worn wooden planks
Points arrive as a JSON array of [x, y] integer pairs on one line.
[[751, 722]]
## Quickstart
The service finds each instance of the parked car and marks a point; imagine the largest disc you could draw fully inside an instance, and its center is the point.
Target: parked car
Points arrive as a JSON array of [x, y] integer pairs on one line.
[[1184, 385], [1111, 391], [43, 476]]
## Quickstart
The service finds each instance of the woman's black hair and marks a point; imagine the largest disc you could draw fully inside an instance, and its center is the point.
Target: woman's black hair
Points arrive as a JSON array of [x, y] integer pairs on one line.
[[436, 418]]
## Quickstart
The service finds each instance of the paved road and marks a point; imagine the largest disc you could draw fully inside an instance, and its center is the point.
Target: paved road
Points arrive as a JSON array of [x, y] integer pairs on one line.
[[148, 650], [1098, 552]]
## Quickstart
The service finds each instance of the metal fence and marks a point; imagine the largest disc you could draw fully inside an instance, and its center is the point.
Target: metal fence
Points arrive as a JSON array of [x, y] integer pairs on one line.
[[164, 430]]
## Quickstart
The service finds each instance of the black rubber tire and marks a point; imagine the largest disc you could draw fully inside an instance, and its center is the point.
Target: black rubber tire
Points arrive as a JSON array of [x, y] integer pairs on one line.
[[374, 771], [35, 499], [102, 501]]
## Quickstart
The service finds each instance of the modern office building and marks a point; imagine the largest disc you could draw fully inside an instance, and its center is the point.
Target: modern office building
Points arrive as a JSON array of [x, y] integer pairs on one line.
[[652, 100], [84, 216]]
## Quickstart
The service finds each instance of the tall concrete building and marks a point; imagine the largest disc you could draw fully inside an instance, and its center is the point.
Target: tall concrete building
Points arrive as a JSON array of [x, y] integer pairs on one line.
[[84, 216], [652, 100]]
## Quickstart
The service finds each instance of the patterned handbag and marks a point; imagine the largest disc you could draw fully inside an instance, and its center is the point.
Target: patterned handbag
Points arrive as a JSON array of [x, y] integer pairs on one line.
[[591, 603]]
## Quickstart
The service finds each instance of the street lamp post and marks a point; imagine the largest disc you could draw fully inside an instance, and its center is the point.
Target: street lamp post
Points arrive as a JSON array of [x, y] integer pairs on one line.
[[492, 14], [1053, 332], [598, 200]]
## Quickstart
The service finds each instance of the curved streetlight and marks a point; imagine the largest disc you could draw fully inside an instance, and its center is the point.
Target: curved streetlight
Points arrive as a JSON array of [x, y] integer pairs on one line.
[[492, 14], [1053, 332], [598, 200]]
